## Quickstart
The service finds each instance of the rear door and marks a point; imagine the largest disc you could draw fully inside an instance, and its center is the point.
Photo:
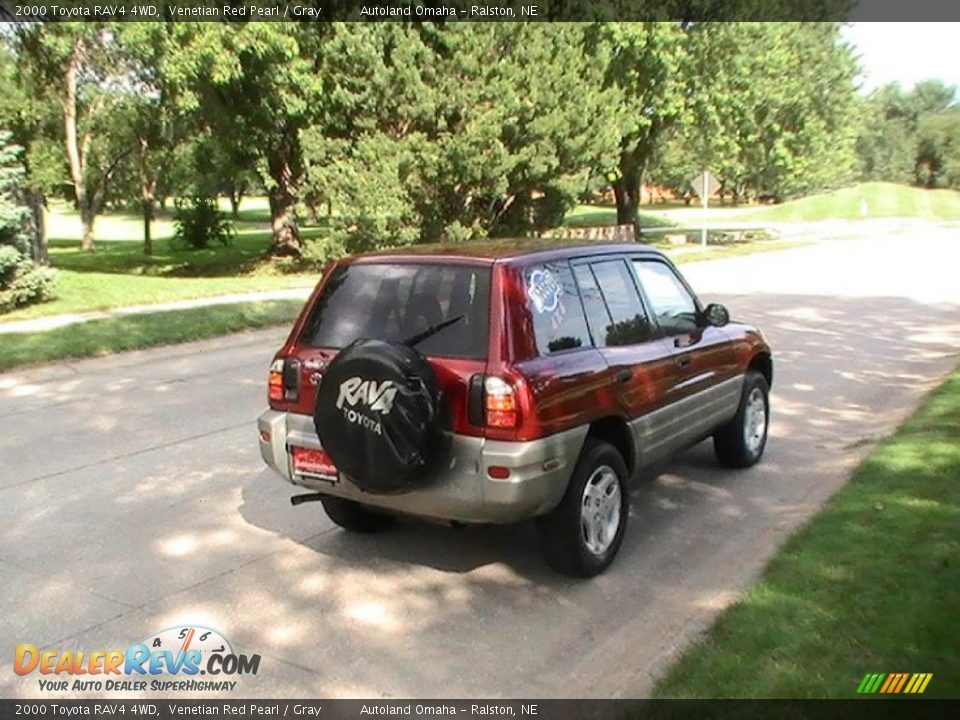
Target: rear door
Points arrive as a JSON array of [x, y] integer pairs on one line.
[[708, 382], [397, 300], [641, 362], [567, 377]]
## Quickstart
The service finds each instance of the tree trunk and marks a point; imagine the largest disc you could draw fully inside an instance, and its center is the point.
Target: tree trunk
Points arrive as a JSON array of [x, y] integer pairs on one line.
[[236, 195], [626, 190], [38, 227], [147, 188], [147, 207], [283, 162], [75, 158], [286, 236], [87, 218], [628, 202]]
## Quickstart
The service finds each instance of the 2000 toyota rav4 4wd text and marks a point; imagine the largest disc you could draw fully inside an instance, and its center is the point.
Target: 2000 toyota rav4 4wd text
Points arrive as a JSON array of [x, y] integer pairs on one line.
[[486, 385]]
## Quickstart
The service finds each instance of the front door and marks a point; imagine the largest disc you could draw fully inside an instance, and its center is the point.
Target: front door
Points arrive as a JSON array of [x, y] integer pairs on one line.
[[641, 362], [708, 383]]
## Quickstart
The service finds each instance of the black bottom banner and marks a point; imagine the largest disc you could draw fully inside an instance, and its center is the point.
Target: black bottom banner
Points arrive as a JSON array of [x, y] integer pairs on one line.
[[868, 709]]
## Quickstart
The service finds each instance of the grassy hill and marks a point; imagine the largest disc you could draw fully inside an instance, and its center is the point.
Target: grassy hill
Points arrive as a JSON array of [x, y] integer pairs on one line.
[[882, 200]]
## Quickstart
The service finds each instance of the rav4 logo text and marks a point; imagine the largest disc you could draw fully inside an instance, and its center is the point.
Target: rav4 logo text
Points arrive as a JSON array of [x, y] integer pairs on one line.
[[378, 397]]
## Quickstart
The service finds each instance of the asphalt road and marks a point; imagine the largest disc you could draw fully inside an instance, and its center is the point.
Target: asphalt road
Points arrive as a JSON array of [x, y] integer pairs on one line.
[[133, 499]]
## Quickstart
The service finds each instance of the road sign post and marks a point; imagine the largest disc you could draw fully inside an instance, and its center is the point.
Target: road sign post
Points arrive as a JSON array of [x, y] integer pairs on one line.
[[704, 185]]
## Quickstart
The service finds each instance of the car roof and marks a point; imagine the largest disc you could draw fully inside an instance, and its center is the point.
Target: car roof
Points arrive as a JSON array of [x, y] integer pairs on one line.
[[501, 249]]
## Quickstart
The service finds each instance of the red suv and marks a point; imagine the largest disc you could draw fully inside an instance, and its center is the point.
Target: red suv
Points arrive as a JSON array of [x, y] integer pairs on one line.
[[489, 384]]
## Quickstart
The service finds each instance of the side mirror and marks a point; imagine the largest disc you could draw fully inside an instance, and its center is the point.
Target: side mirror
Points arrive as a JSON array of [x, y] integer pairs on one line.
[[716, 315]]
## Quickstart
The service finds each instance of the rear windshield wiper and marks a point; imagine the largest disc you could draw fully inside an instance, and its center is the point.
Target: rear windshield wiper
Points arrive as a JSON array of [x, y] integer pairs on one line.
[[432, 330]]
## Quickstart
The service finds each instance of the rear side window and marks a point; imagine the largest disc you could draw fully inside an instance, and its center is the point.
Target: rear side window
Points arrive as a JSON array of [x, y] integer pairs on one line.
[[552, 297], [608, 285], [399, 301]]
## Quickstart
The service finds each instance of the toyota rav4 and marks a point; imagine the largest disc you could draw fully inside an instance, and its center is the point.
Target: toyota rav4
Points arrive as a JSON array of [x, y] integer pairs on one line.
[[490, 384]]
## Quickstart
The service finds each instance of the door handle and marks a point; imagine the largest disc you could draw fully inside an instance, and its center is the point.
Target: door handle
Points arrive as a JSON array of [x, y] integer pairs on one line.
[[624, 375], [683, 361]]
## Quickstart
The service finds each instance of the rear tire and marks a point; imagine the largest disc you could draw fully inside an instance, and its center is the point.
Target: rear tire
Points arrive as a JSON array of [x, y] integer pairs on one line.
[[582, 535], [355, 517], [741, 442]]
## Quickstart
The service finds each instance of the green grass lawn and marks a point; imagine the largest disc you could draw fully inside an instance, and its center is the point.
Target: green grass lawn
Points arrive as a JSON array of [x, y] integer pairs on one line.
[[119, 274], [871, 585], [131, 332], [882, 200], [601, 215]]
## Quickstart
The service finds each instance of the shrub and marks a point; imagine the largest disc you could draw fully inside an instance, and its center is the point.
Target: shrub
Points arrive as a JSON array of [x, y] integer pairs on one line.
[[200, 224], [21, 280], [320, 252]]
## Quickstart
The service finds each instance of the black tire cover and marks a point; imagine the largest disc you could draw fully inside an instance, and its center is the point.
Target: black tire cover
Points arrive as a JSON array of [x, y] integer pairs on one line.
[[381, 416]]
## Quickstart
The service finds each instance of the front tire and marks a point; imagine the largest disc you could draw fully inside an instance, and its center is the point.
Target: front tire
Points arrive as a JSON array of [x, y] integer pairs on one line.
[[582, 535], [741, 442], [355, 517]]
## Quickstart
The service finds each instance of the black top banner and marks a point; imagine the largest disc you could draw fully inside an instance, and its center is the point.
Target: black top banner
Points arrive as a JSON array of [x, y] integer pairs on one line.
[[475, 10]]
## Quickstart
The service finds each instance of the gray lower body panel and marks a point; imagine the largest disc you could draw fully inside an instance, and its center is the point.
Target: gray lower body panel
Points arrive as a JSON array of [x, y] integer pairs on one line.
[[462, 490], [659, 434], [539, 469]]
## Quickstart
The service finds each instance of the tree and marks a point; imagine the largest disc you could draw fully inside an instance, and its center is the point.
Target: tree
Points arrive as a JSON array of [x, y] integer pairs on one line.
[[886, 145], [771, 107], [648, 64], [255, 85], [32, 123], [908, 137], [150, 113], [455, 132], [937, 133], [930, 97], [83, 67], [938, 150]]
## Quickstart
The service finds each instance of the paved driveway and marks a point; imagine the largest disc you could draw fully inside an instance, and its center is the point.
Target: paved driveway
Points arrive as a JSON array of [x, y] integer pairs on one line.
[[132, 499]]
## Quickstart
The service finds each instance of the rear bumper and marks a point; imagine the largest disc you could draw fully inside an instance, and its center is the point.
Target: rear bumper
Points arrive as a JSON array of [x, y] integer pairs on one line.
[[463, 491]]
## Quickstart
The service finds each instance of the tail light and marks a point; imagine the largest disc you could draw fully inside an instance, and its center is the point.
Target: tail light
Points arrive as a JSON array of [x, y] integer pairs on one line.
[[500, 403], [276, 380], [284, 383]]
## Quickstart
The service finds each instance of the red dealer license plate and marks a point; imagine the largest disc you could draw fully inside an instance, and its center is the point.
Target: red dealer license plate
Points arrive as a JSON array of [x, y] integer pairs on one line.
[[309, 462]]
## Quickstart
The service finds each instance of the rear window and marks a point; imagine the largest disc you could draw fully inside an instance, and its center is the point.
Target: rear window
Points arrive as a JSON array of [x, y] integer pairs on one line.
[[399, 301], [558, 322]]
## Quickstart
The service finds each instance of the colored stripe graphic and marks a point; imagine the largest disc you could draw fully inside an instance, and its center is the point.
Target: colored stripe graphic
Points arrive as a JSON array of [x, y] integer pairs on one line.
[[870, 683], [894, 683], [903, 680], [897, 677]]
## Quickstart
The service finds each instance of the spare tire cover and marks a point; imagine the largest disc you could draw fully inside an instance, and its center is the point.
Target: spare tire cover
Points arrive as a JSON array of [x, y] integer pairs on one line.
[[381, 416]]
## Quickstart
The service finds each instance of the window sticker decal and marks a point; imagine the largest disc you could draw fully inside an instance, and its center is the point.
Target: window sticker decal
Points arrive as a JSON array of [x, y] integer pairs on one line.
[[544, 290]]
